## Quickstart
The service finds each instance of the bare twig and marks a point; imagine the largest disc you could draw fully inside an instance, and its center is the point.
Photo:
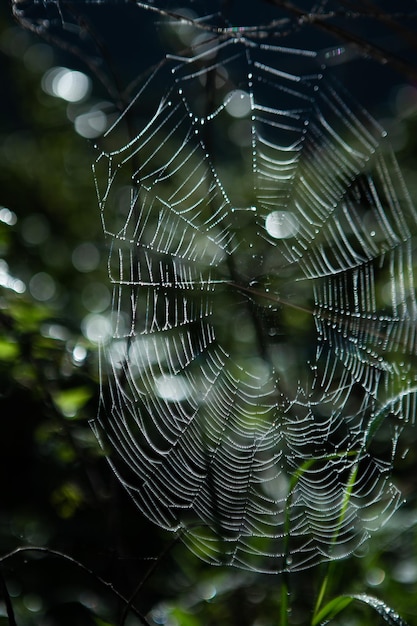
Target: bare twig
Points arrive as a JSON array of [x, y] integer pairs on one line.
[[7, 601], [70, 559], [363, 46]]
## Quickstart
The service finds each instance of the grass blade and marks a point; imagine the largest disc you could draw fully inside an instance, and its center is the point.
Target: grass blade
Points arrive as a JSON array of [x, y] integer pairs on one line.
[[331, 609], [338, 604]]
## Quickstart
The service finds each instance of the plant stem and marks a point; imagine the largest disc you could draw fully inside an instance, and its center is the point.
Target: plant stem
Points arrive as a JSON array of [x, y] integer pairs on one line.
[[284, 608], [345, 504]]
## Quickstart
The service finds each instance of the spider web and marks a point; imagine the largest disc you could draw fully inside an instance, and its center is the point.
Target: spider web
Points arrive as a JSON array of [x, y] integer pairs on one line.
[[262, 262]]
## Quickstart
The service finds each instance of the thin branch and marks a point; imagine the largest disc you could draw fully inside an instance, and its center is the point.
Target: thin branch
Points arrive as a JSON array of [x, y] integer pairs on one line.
[[370, 10], [41, 30], [363, 46], [7, 601], [147, 576], [70, 559]]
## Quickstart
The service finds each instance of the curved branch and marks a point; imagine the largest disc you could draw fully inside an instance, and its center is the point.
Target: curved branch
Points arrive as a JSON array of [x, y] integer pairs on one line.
[[70, 559]]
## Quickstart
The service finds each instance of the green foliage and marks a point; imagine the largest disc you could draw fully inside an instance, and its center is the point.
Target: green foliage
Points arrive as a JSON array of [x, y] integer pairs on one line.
[[70, 401], [331, 609]]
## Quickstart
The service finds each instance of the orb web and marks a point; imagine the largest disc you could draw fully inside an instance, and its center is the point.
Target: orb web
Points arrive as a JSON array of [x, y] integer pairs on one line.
[[262, 262]]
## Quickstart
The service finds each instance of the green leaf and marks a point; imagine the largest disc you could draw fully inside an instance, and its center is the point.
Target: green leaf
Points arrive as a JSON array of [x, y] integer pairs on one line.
[[67, 499], [101, 622], [331, 609], [335, 606], [184, 617], [9, 350], [27, 315], [70, 401]]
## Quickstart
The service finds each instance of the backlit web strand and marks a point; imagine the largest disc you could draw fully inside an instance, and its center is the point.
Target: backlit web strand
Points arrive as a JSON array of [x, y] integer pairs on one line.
[[261, 255]]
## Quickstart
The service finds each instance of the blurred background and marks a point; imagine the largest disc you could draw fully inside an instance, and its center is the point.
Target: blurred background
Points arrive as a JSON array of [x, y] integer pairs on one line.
[[56, 489]]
